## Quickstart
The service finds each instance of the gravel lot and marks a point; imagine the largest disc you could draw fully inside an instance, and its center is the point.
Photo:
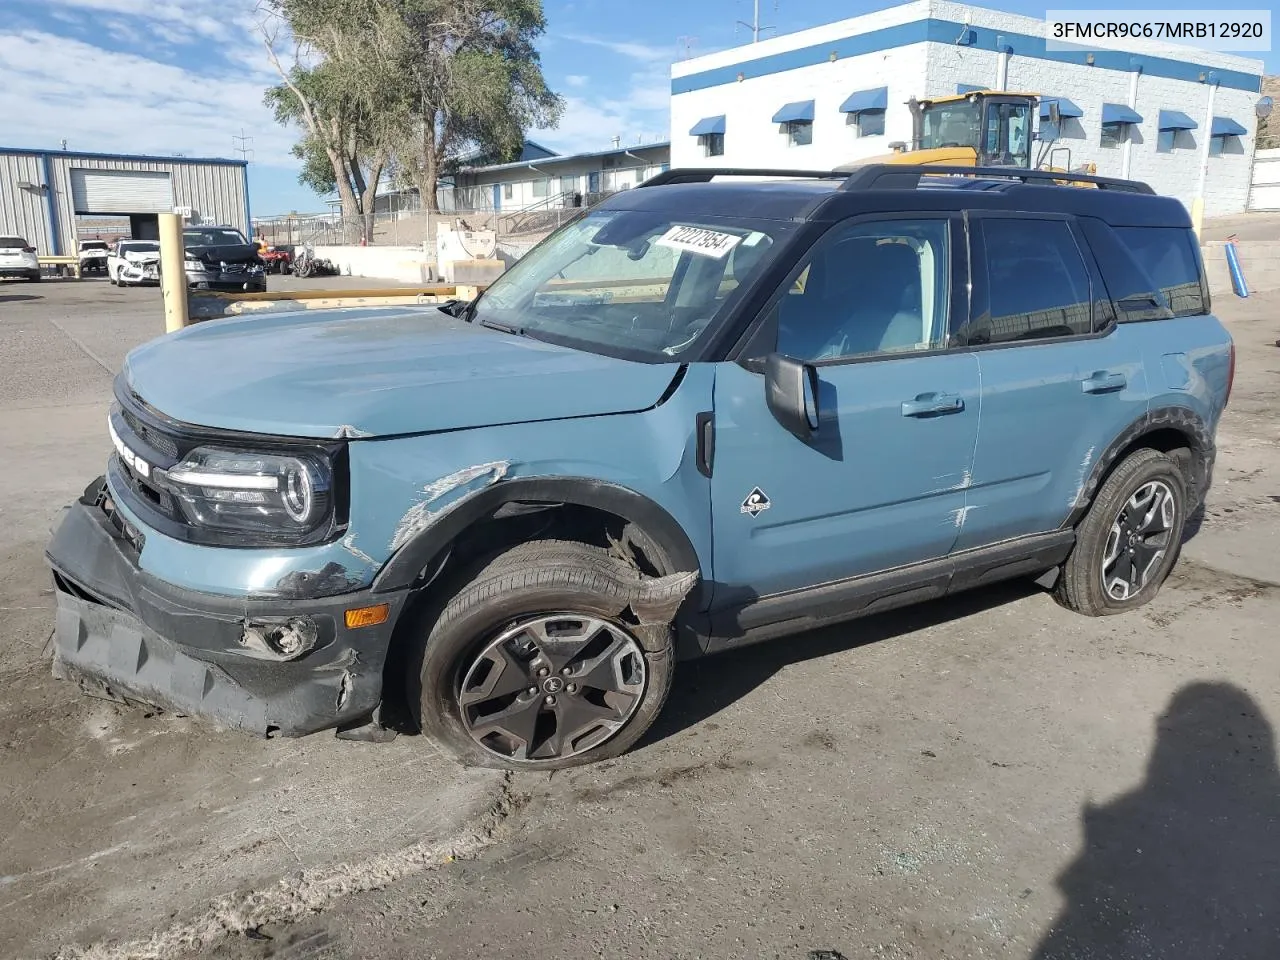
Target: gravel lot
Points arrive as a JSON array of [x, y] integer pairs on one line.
[[989, 776]]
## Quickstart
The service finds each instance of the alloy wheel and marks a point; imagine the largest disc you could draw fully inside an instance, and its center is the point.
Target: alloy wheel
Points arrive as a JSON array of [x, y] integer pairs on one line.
[[1138, 540], [552, 686]]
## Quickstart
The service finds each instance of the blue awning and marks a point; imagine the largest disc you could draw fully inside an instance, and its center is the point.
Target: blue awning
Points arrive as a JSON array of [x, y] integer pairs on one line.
[[1119, 113], [708, 125], [1226, 127], [1065, 107], [970, 87], [1176, 120], [864, 100], [800, 110]]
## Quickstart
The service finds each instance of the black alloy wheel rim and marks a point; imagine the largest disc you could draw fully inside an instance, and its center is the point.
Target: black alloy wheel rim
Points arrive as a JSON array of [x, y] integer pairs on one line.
[[551, 686], [1139, 539]]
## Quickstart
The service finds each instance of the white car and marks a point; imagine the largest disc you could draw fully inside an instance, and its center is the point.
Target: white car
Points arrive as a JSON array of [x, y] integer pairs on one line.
[[93, 256], [18, 258], [134, 262]]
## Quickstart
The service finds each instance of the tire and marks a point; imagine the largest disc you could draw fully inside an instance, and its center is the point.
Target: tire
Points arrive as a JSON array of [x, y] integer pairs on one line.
[[1089, 584], [35, 277], [561, 597]]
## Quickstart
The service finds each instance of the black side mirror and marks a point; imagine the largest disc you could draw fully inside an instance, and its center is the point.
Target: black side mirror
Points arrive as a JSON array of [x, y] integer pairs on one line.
[[791, 391], [1055, 112]]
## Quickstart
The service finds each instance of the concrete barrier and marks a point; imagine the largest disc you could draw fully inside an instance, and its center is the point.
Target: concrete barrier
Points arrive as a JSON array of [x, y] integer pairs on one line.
[[405, 264], [1260, 260]]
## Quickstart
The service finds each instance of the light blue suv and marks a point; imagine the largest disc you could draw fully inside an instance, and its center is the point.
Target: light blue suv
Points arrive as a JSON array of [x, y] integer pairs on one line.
[[714, 410]]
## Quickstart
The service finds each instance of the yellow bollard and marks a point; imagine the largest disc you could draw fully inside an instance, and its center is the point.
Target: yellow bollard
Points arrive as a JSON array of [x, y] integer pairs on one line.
[[173, 277]]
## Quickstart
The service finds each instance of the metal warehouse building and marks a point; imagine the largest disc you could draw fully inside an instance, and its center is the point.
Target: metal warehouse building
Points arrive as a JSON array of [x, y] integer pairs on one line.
[[45, 193], [1180, 118]]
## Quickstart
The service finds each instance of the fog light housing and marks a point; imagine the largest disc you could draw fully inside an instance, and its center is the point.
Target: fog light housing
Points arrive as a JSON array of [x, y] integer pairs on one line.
[[279, 638]]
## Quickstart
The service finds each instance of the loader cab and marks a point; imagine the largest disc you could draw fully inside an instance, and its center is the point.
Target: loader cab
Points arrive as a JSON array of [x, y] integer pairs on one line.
[[983, 128]]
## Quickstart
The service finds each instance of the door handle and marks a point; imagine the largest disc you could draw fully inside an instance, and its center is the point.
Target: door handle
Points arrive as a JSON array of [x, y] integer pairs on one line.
[[1103, 381], [929, 404]]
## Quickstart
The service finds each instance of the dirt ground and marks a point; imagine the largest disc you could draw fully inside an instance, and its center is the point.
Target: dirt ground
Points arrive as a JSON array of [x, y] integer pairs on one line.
[[985, 777]]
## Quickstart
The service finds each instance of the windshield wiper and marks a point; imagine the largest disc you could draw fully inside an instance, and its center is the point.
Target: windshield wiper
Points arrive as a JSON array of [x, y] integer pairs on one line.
[[502, 327]]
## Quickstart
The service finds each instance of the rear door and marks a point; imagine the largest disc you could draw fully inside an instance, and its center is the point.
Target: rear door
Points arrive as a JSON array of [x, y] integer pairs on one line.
[[1060, 380]]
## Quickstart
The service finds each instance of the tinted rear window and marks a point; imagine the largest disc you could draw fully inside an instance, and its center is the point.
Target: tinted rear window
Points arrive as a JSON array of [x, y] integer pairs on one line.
[[1169, 257], [12, 242]]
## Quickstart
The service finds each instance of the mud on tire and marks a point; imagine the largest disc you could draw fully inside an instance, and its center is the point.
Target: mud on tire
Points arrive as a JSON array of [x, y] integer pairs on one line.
[[1129, 539], [541, 645]]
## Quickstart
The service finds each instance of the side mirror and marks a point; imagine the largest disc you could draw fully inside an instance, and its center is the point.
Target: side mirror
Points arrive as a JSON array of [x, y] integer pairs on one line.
[[1055, 113], [791, 392]]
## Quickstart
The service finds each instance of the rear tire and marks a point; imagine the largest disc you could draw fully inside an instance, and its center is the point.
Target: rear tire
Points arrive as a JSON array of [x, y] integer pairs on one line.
[[35, 277], [528, 666], [1129, 540]]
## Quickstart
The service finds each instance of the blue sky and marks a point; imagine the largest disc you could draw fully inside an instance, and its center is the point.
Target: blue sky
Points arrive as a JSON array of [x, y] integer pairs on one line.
[[186, 76]]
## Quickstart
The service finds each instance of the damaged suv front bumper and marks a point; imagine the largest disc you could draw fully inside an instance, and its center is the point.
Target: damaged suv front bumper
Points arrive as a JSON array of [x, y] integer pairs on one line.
[[287, 666]]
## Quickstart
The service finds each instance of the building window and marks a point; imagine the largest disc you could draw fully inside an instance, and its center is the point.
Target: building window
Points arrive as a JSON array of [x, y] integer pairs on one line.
[[1114, 134], [712, 144], [507, 190], [869, 123], [540, 188], [799, 132], [1164, 141]]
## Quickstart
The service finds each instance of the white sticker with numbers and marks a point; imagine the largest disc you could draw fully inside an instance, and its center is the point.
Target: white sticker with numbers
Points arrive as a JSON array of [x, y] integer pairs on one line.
[[699, 240]]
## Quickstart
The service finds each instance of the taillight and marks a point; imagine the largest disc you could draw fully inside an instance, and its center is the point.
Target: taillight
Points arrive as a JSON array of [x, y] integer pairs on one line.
[[1231, 373], [28, 249]]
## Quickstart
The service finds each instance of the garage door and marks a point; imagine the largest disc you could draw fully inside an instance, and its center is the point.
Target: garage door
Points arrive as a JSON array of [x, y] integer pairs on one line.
[[121, 191], [1265, 194]]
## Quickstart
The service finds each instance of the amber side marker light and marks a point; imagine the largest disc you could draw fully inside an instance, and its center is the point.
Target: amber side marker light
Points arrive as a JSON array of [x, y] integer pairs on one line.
[[368, 616]]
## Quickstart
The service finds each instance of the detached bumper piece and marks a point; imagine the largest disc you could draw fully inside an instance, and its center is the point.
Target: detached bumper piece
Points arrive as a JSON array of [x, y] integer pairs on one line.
[[265, 666]]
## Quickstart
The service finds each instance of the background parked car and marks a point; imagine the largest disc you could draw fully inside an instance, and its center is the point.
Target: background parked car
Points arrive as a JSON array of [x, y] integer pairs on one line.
[[18, 259], [93, 256], [134, 263], [222, 258]]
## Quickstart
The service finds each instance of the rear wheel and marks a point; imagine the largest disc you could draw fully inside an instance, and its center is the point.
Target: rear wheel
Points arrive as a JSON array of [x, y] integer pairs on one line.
[[35, 276], [530, 665], [1130, 538]]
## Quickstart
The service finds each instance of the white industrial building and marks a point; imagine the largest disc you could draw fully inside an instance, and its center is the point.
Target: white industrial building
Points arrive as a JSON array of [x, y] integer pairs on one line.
[[825, 96], [46, 194]]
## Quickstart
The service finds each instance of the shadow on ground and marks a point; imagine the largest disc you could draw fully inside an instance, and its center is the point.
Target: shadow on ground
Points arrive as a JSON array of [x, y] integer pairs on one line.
[[1187, 864], [704, 687]]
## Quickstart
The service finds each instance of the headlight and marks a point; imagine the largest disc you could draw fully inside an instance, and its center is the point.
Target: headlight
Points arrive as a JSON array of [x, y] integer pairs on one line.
[[239, 491]]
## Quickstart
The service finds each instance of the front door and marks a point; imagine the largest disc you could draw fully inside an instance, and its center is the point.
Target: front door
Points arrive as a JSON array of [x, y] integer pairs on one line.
[[883, 481]]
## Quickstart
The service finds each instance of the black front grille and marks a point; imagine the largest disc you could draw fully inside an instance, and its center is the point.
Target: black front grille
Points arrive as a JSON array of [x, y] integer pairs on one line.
[[152, 437]]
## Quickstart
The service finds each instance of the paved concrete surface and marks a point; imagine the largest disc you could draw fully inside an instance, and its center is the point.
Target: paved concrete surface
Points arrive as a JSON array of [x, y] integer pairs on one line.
[[989, 776], [117, 822], [1243, 226]]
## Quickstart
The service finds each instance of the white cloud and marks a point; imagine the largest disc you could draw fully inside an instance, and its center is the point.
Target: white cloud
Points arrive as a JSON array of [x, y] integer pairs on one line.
[[111, 101], [186, 22], [576, 80], [641, 110]]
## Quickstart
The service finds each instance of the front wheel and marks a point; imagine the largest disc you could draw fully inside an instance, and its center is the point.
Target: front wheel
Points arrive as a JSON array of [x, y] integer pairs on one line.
[[1130, 538], [531, 666]]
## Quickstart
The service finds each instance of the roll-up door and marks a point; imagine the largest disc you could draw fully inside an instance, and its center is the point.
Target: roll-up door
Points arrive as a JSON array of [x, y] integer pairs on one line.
[[121, 191]]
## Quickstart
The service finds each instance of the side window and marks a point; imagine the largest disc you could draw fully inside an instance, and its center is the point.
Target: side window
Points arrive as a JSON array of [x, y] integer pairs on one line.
[[1170, 258], [871, 288], [1037, 283]]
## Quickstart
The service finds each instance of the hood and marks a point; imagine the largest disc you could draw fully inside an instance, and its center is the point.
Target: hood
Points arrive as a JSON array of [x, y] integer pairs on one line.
[[142, 256], [376, 372], [224, 253]]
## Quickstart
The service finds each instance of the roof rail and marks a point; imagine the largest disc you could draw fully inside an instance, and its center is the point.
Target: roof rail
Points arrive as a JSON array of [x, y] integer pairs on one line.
[[895, 176], [705, 174]]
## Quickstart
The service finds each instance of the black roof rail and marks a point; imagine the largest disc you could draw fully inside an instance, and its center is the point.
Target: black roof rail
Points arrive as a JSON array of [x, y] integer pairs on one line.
[[895, 176], [705, 174]]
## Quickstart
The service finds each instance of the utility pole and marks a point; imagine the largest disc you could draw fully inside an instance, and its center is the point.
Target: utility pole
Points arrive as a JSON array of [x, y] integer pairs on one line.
[[243, 146], [754, 25]]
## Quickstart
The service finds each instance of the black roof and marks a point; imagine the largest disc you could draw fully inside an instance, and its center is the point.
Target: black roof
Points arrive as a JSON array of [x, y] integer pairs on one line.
[[826, 196]]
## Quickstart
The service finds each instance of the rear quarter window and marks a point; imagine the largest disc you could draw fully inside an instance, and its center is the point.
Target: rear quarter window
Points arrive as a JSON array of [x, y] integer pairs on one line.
[[1170, 258]]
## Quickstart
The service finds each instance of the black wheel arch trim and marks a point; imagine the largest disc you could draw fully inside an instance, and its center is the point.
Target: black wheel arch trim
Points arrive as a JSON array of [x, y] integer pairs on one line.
[[1182, 419], [407, 564]]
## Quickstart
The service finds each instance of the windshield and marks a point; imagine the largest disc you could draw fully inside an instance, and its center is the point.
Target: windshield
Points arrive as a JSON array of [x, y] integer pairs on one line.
[[1007, 141], [93, 245], [639, 285], [139, 247], [213, 237], [950, 125]]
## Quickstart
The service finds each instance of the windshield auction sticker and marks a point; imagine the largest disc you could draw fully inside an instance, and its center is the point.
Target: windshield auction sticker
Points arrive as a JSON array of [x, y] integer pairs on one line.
[[1221, 30], [700, 241]]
